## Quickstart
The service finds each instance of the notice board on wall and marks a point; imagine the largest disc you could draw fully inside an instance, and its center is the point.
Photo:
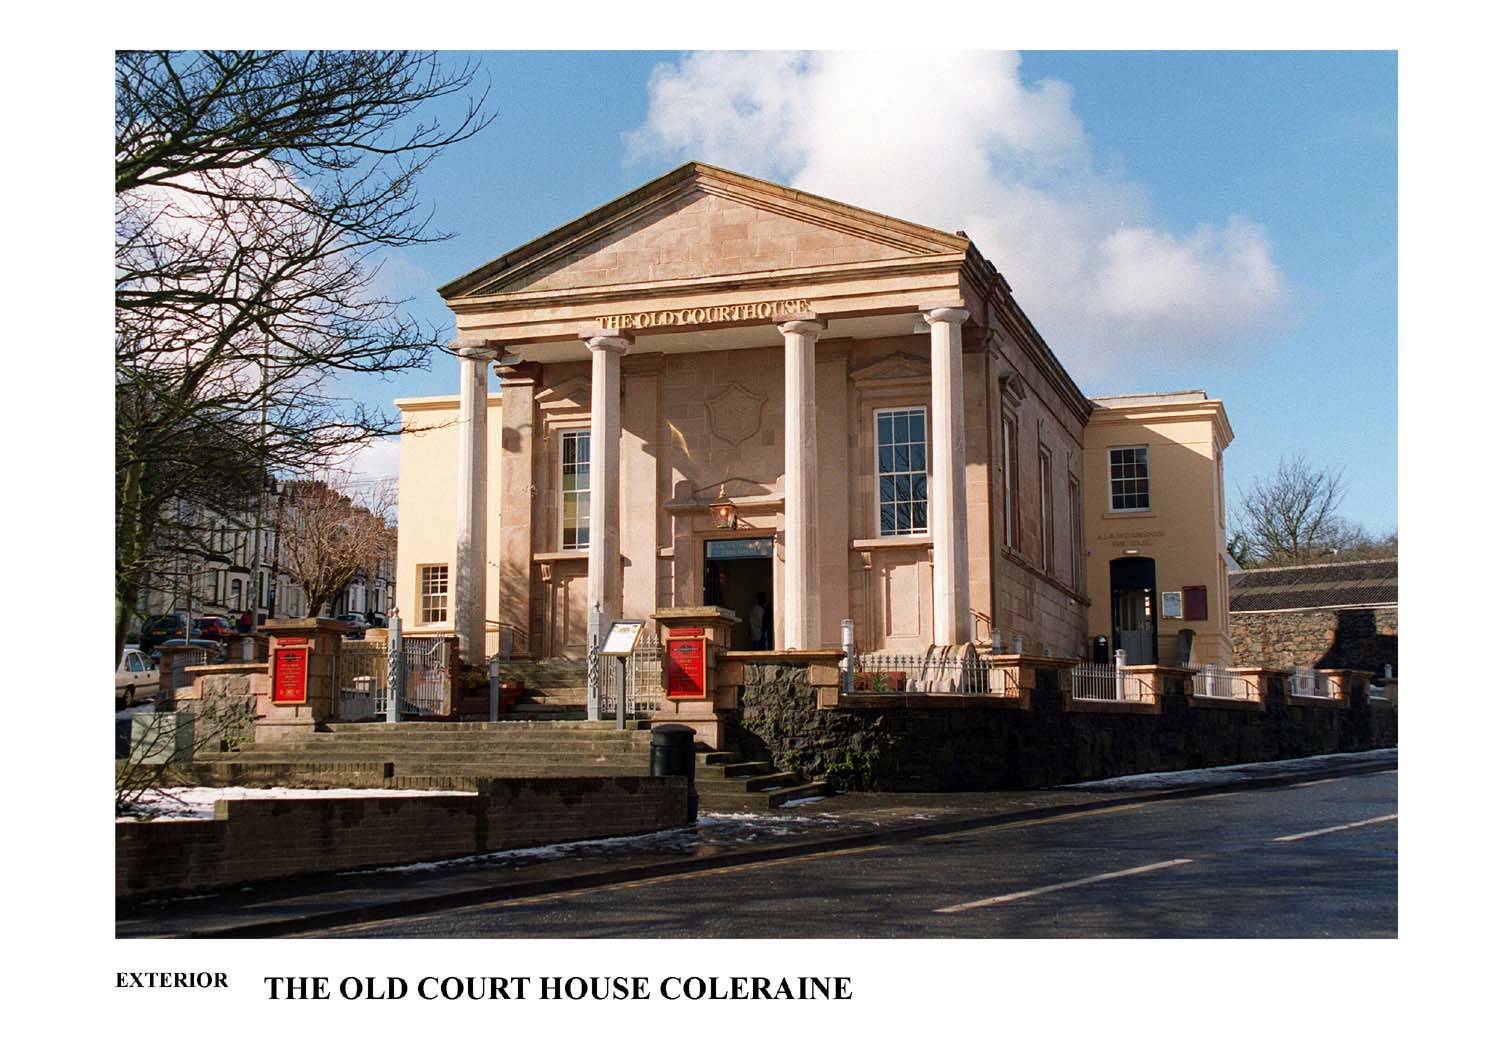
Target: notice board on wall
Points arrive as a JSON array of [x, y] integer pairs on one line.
[[289, 675], [1195, 602], [687, 667]]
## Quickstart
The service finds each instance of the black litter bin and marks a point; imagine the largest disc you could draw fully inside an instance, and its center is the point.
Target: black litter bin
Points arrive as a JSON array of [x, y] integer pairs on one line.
[[673, 755], [1100, 646]]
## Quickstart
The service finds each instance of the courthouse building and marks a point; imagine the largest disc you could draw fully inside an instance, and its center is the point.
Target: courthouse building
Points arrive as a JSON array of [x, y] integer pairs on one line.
[[720, 391]]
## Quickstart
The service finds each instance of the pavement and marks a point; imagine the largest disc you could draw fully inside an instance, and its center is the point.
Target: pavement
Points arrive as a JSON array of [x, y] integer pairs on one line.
[[889, 864]]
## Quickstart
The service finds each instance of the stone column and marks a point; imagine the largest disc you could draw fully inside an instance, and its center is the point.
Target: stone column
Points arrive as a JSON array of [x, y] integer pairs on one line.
[[799, 600], [517, 434], [947, 512], [469, 549], [604, 476]]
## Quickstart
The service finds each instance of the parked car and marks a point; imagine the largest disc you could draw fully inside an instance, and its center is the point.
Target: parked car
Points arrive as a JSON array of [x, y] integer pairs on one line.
[[376, 620], [214, 628], [354, 624], [158, 629], [136, 678]]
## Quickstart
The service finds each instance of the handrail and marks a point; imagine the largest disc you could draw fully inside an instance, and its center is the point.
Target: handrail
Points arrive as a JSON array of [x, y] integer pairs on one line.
[[515, 631]]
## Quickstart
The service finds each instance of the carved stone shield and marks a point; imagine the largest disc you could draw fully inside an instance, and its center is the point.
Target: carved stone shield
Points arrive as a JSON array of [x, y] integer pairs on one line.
[[734, 414]]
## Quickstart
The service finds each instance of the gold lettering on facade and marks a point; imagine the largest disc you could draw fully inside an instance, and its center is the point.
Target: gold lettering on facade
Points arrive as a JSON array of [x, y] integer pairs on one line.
[[705, 315]]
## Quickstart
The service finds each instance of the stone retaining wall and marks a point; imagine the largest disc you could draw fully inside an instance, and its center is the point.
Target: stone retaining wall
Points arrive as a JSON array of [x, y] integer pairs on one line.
[[252, 840], [977, 744], [1364, 639]]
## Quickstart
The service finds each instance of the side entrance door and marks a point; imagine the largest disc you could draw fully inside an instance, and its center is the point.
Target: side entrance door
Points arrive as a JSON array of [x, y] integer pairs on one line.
[[1132, 585]]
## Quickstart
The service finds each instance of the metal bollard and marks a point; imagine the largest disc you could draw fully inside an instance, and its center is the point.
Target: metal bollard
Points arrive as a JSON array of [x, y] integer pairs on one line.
[[673, 755], [495, 688], [846, 642]]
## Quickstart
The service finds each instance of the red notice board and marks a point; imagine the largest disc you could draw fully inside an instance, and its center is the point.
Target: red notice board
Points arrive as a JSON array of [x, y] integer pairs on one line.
[[687, 668], [289, 677]]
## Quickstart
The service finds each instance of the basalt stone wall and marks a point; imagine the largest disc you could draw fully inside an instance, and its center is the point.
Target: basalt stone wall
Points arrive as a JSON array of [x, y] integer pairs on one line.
[[1361, 639], [983, 747], [252, 840]]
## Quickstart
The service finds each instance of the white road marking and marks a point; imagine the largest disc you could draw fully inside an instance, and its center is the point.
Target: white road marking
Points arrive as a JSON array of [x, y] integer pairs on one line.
[[1336, 827], [1018, 895]]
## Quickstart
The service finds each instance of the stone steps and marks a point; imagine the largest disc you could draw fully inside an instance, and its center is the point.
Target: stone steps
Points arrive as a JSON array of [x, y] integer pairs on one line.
[[454, 755], [404, 728]]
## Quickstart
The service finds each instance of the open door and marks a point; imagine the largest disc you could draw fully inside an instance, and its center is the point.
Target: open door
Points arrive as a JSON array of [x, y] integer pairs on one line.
[[737, 574], [1132, 586]]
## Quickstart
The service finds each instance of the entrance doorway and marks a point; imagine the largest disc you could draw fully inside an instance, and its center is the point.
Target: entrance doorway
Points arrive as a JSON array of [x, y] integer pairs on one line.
[[737, 576], [1132, 587]]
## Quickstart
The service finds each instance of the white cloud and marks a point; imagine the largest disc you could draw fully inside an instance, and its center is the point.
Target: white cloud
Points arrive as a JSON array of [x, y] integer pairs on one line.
[[374, 464], [963, 141]]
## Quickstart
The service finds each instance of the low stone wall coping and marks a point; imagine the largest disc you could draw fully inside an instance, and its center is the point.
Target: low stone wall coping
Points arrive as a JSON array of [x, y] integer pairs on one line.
[[202, 670], [1225, 703], [784, 656], [1112, 707], [925, 702], [1303, 700], [1186, 672]]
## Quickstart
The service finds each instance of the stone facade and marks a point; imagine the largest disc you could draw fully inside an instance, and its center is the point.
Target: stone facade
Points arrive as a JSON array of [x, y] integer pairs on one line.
[[978, 745], [1361, 639]]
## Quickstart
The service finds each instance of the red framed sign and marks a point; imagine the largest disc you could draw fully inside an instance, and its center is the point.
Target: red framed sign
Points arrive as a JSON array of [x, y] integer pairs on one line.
[[687, 667], [289, 676]]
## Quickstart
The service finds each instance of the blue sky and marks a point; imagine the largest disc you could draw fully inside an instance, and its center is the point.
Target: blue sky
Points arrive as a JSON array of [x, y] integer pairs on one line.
[[1236, 211]]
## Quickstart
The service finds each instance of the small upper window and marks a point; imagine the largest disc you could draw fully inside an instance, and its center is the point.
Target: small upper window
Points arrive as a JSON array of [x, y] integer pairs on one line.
[[901, 465], [1129, 482]]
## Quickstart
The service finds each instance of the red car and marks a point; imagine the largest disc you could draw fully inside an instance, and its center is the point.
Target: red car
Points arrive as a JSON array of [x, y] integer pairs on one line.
[[214, 628]]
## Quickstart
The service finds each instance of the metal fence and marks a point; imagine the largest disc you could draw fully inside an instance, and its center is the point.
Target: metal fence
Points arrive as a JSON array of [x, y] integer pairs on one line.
[[367, 671], [1219, 684], [362, 681], [1308, 682], [429, 686], [644, 682], [1108, 682], [936, 671]]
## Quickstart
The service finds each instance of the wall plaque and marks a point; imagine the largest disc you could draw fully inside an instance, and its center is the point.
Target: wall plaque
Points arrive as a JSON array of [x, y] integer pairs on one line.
[[290, 676], [687, 668]]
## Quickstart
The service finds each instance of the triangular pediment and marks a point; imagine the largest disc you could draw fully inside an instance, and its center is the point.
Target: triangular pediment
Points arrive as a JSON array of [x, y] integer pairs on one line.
[[894, 367], [703, 222]]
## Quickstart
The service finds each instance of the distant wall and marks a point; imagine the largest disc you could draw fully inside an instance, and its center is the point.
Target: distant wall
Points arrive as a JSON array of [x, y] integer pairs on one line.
[[973, 744], [1358, 639], [251, 840]]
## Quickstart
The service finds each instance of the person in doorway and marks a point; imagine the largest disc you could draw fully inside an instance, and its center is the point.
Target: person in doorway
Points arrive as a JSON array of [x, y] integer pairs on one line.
[[760, 636]]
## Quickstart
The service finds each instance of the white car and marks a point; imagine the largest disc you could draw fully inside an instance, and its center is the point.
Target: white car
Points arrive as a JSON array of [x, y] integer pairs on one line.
[[135, 679]]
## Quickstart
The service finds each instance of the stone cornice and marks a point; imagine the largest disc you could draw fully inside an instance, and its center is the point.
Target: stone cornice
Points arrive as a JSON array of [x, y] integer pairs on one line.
[[437, 402], [643, 292], [1210, 411]]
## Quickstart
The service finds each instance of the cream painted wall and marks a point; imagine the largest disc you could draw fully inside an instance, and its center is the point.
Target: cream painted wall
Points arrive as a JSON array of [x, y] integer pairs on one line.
[[1183, 530], [427, 504]]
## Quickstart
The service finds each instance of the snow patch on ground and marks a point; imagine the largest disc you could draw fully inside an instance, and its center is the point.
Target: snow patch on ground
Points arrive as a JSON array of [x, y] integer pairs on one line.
[[197, 803], [712, 829], [1225, 775]]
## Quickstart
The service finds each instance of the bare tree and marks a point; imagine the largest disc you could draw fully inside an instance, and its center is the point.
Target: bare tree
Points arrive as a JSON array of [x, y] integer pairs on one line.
[[328, 538], [1291, 516], [255, 195]]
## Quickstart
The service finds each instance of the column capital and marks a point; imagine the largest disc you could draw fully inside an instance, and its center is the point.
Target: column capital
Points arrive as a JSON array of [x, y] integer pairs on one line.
[[604, 339], [802, 326], [476, 349], [950, 314]]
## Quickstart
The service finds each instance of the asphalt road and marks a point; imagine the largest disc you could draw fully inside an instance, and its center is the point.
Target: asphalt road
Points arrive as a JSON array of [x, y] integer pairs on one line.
[[1316, 859]]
